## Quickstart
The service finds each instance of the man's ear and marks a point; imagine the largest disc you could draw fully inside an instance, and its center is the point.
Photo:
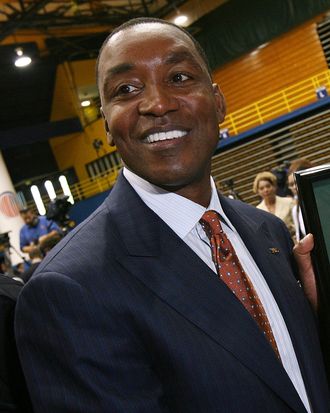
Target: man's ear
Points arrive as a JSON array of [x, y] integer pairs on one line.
[[220, 102], [106, 127]]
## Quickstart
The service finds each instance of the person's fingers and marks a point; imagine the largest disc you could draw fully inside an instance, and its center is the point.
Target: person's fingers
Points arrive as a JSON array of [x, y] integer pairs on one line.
[[305, 245], [302, 255]]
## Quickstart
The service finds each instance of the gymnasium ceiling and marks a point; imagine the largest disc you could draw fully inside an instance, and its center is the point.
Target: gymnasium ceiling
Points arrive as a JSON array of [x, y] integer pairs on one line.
[[57, 31], [63, 30], [46, 14]]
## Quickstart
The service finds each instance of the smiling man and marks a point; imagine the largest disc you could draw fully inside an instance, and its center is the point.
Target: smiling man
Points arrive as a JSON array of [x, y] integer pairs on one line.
[[170, 297], [161, 109]]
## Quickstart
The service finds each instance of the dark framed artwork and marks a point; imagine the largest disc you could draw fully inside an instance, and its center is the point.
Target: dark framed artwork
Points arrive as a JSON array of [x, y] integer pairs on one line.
[[314, 199]]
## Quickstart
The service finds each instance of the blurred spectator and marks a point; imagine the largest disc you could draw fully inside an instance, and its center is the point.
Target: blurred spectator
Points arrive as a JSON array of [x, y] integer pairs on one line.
[[47, 244], [297, 165], [38, 253], [35, 230], [36, 257], [281, 172], [9, 271], [4, 267], [18, 268], [13, 391], [265, 185]]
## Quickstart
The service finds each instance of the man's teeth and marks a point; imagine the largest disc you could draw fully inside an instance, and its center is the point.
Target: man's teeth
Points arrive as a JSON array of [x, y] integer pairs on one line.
[[162, 136]]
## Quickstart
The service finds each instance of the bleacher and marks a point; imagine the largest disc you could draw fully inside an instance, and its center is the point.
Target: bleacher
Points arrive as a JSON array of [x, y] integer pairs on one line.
[[306, 138]]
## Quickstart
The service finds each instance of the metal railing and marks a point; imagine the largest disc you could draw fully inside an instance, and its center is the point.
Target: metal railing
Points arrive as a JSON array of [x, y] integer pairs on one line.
[[93, 186], [86, 188], [277, 104]]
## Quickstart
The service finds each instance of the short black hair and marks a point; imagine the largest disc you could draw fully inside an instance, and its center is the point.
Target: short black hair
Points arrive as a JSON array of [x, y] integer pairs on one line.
[[145, 20], [24, 210]]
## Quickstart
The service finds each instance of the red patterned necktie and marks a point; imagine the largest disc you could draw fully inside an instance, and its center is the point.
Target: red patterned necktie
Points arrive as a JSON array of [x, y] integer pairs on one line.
[[230, 271]]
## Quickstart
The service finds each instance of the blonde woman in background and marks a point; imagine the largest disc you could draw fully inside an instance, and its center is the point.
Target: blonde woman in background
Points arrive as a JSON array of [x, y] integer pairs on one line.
[[265, 185]]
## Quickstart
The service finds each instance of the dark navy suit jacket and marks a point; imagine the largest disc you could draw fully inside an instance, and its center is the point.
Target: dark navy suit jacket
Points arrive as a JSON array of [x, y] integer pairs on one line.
[[124, 317]]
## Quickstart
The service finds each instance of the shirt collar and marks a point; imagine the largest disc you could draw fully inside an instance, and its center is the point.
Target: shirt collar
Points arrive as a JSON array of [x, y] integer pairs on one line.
[[179, 213]]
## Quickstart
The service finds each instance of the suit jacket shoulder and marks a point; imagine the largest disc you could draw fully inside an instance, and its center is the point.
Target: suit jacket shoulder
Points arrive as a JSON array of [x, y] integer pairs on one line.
[[134, 316]]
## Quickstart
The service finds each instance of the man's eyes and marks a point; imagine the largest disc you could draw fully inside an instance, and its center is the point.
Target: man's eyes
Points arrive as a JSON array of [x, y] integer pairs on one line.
[[180, 77], [125, 89]]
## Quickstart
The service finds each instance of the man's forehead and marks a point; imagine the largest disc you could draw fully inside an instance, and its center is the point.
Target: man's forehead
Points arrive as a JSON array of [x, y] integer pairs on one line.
[[153, 29], [131, 41], [147, 41], [134, 38]]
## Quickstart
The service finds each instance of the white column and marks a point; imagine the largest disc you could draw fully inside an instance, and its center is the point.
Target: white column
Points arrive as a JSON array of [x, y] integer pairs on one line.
[[10, 219]]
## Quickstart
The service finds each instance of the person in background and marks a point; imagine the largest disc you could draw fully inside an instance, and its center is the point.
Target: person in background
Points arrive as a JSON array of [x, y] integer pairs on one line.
[[35, 258], [38, 254], [134, 310], [19, 268], [281, 172], [297, 165], [35, 230], [265, 185], [5, 267], [13, 391]]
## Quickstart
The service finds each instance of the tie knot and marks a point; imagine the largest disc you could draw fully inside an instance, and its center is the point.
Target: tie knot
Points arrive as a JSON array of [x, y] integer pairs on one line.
[[211, 223]]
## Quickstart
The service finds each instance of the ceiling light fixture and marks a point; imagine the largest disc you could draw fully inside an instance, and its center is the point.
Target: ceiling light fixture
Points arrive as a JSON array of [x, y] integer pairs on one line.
[[65, 188], [50, 190], [38, 200], [22, 60], [263, 45], [181, 20], [85, 103]]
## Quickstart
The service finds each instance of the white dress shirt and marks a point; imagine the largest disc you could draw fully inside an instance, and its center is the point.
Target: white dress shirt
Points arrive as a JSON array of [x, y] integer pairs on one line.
[[182, 216], [298, 222]]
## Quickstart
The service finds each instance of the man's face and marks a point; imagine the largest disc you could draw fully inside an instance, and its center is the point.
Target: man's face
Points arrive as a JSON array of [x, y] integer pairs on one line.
[[160, 107], [29, 218]]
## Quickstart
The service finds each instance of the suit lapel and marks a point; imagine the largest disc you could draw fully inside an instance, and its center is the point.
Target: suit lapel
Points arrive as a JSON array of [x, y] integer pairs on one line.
[[289, 296], [184, 281], [274, 266]]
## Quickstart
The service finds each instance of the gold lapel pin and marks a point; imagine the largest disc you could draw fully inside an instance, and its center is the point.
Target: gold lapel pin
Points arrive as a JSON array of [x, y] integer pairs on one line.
[[274, 250]]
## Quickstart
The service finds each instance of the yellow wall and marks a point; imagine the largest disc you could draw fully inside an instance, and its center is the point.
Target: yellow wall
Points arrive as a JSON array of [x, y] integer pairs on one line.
[[76, 150], [70, 77], [288, 59], [83, 72], [64, 104]]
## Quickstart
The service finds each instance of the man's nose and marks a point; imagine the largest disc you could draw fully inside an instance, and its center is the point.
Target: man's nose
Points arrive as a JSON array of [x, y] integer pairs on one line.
[[157, 100]]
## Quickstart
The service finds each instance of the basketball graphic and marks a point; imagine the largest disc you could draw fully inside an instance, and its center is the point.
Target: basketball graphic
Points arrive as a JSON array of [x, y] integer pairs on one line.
[[9, 205]]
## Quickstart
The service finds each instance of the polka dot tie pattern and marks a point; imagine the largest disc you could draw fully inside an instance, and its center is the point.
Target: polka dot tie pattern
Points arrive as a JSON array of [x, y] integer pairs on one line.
[[231, 272]]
